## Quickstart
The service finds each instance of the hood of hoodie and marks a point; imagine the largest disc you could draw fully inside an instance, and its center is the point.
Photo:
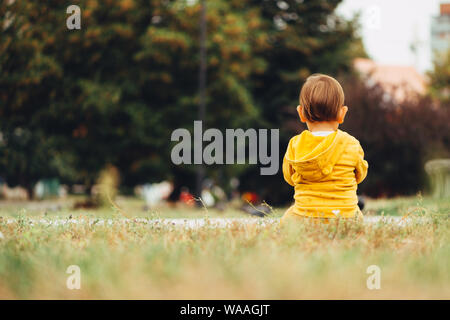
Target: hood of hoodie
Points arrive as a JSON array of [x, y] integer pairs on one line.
[[314, 157]]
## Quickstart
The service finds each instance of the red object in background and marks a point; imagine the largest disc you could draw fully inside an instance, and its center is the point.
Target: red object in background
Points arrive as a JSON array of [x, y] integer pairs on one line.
[[445, 9], [187, 198], [250, 197]]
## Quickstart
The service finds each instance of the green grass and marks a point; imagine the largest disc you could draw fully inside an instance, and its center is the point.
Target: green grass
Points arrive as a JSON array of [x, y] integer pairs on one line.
[[142, 260], [135, 207]]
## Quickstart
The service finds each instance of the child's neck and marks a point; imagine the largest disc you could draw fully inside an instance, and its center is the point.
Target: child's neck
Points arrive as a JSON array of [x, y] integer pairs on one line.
[[322, 126]]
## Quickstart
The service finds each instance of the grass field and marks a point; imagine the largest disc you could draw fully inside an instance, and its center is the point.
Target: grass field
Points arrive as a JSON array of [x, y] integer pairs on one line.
[[133, 258]]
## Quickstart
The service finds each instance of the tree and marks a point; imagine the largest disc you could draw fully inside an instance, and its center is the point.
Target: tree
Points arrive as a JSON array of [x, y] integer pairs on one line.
[[28, 82], [397, 137], [112, 92], [440, 78]]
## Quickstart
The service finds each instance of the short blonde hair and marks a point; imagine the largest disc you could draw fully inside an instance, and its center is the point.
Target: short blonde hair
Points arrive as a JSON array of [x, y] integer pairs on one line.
[[321, 98]]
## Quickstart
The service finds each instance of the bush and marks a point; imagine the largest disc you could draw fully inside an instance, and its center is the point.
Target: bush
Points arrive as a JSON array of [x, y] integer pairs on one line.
[[397, 137]]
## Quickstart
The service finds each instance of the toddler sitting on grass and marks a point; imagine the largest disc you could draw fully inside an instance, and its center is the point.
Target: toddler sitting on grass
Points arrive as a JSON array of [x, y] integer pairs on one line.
[[323, 163]]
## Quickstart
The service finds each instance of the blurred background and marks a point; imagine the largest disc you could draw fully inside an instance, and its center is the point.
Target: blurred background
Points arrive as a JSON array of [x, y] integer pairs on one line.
[[93, 108]]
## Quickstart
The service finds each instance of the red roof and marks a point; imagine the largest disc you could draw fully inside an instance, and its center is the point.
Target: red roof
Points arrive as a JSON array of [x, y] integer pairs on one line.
[[396, 79]]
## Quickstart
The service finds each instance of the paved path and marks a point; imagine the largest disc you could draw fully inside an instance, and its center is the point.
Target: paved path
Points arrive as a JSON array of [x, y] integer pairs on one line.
[[188, 223]]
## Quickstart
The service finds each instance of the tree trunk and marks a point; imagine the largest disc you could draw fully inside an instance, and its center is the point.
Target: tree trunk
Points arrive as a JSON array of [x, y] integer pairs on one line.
[[30, 191]]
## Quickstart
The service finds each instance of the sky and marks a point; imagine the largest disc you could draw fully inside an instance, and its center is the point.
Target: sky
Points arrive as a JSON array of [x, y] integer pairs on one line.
[[389, 27]]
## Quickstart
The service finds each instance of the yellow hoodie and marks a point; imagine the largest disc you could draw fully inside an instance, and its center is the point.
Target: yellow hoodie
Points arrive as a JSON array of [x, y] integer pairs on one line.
[[325, 171]]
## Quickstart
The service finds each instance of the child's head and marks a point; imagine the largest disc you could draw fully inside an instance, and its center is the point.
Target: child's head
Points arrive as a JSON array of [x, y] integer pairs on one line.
[[321, 100]]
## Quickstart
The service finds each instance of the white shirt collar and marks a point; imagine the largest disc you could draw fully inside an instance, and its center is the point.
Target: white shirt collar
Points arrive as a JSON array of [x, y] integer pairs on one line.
[[321, 133]]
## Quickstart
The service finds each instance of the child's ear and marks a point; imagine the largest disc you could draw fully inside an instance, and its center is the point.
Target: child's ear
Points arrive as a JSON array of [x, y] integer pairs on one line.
[[342, 113], [300, 113]]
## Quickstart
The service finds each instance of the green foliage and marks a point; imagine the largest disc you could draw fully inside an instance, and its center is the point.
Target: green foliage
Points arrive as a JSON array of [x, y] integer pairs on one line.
[[440, 78], [397, 137], [113, 92]]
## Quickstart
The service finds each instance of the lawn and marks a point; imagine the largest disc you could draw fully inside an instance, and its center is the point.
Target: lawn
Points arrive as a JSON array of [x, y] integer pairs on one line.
[[139, 258]]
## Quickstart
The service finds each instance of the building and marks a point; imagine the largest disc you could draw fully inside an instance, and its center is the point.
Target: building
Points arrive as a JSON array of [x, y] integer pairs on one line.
[[440, 31], [399, 82]]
